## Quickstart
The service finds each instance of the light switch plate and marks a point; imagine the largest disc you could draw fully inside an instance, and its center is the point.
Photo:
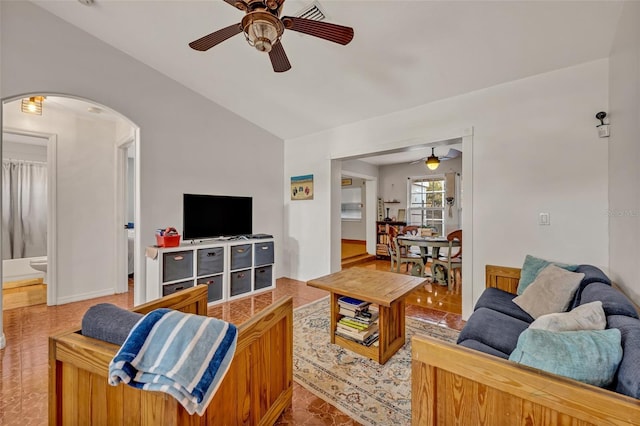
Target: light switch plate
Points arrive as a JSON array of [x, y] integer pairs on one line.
[[544, 219]]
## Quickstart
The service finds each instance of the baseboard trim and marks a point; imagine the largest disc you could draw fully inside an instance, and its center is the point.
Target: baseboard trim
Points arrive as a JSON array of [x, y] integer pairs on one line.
[[84, 296]]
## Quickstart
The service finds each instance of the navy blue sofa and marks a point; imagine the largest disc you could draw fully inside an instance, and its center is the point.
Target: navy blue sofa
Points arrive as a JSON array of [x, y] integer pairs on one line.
[[496, 324]]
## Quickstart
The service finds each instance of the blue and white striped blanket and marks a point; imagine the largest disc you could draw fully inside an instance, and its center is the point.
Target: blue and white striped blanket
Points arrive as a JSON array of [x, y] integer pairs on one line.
[[184, 355]]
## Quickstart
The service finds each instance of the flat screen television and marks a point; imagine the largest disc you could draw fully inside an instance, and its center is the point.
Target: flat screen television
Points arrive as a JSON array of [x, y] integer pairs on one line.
[[212, 216]]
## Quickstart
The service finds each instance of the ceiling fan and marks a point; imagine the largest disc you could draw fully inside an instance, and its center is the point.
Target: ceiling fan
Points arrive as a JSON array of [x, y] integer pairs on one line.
[[433, 161], [263, 27]]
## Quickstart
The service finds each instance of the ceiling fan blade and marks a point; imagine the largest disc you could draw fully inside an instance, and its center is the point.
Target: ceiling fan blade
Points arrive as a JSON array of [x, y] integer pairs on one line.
[[207, 42], [332, 32], [238, 4], [279, 59], [453, 153]]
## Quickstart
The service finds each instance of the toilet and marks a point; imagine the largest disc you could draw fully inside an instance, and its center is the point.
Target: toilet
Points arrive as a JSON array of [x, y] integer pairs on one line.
[[40, 265]]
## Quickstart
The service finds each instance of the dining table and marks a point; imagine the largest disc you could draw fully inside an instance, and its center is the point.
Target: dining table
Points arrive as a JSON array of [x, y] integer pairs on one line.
[[436, 243]]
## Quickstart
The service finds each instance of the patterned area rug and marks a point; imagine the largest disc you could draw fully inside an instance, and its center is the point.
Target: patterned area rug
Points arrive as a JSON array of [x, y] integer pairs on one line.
[[370, 393]]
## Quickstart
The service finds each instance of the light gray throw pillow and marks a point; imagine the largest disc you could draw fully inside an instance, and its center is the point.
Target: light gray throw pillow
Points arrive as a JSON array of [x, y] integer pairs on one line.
[[550, 292], [589, 316]]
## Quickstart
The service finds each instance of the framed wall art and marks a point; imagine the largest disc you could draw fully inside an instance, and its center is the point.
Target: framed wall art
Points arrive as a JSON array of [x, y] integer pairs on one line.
[[302, 187]]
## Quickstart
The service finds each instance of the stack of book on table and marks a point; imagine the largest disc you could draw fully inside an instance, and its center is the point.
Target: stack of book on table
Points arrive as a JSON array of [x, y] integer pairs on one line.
[[359, 321]]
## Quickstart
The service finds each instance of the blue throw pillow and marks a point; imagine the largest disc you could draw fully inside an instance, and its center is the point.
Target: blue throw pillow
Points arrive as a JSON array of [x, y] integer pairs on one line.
[[590, 356], [532, 267]]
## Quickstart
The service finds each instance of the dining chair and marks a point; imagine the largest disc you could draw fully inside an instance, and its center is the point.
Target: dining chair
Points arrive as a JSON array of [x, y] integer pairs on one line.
[[452, 261], [411, 230], [392, 233], [404, 255]]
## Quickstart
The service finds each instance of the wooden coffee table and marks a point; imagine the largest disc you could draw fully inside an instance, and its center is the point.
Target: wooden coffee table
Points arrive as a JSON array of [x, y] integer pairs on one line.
[[386, 289]]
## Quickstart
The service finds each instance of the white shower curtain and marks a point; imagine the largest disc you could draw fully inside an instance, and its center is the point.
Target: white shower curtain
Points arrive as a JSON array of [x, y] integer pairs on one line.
[[24, 209]]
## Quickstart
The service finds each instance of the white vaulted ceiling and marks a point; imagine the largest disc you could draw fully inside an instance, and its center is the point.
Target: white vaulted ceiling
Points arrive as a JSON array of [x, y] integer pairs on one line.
[[404, 53]]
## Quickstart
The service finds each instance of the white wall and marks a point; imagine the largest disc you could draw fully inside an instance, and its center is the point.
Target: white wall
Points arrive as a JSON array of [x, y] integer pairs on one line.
[[188, 143], [308, 222], [624, 152], [124, 131], [24, 151], [534, 147], [85, 186], [359, 168]]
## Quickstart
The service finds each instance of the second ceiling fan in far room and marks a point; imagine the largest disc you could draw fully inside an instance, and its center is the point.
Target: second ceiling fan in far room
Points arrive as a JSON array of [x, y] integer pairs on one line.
[[433, 161], [263, 28]]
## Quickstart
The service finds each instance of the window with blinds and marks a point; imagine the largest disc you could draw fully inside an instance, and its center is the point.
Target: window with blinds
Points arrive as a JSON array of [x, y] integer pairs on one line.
[[426, 203]]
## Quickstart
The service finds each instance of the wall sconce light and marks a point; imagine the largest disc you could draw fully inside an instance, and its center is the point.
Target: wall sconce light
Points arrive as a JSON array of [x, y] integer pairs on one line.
[[32, 105], [603, 129], [432, 161]]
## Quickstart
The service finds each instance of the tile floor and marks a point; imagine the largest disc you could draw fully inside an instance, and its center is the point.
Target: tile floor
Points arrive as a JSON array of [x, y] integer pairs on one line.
[[23, 363]]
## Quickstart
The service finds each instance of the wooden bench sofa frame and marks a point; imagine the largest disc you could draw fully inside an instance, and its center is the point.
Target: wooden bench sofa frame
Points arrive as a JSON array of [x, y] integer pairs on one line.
[[454, 385], [255, 391]]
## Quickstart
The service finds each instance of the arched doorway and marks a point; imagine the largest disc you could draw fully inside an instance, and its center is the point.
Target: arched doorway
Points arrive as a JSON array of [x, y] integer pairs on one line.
[[87, 199]]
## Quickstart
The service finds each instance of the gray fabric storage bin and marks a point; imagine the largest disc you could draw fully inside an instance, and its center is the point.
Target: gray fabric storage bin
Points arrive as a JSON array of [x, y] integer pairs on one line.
[[214, 287], [264, 253], [174, 288], [240, 282], [177, 265], [263, 277], [210, 261], [241, 256]]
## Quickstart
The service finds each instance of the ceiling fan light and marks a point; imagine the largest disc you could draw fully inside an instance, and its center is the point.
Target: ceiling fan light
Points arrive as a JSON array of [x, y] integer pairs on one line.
[[262, 35], [432, 161], [263, 45]]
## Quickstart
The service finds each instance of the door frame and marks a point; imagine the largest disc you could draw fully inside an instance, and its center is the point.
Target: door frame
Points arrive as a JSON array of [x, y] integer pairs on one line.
[[371, 205], [140, 286], [465, 134], [52, 231], [121, 204]]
